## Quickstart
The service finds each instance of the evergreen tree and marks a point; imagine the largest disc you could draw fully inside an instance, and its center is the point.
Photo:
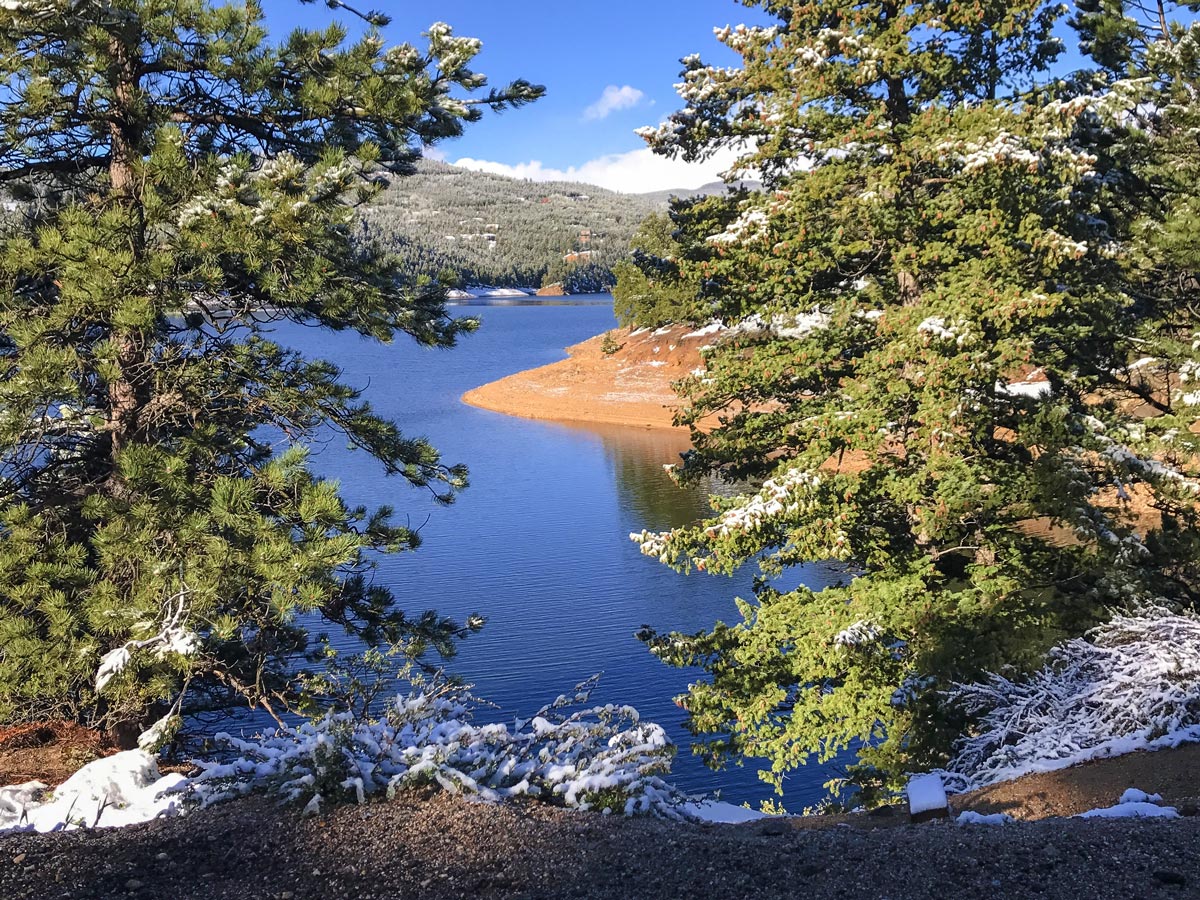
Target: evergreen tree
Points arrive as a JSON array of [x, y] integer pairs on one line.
[[188, 184], [934, 382], [661, 282]]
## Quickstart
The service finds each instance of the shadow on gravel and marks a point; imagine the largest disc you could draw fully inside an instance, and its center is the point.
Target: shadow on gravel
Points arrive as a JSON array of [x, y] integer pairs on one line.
[[439, 848]]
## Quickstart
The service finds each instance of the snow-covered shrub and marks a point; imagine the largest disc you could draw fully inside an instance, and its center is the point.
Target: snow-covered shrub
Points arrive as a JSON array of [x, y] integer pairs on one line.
[[1131, 684], [592, 758]]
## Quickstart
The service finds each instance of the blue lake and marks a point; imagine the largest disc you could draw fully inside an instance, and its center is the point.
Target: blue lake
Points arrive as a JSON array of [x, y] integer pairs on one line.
[[539, 543]]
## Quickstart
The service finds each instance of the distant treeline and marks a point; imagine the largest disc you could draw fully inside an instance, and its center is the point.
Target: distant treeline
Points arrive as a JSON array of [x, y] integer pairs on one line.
[[477, 228]]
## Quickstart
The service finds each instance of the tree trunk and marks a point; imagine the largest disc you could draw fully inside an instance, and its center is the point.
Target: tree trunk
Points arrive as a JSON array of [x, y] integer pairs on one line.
[[129, 391]]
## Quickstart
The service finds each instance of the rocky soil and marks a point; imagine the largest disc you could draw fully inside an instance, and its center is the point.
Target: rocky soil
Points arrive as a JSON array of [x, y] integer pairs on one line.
[[436, 846], [432, 845]]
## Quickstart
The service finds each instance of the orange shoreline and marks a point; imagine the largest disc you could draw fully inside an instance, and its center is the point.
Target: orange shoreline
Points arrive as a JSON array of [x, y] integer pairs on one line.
[[631, 387]]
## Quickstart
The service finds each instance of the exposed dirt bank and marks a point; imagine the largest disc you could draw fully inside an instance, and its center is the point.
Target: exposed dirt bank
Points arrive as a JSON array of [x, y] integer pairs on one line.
[[49, 751], [631, 386]]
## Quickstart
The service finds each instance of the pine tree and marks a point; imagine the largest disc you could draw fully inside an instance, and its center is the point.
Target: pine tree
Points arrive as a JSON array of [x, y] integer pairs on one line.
[[185, 185], [933, 384], [661, 282]]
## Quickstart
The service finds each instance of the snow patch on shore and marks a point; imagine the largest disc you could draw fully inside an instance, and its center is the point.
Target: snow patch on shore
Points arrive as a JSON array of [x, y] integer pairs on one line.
[[721, 812], [710, 328], [118, 790], [1134, 804]]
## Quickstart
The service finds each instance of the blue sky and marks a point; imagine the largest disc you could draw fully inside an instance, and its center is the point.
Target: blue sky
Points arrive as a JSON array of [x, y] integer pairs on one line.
[[582, 52], [609, 66]]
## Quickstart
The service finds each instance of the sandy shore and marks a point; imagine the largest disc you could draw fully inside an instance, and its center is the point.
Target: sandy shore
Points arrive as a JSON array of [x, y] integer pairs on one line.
[[630, 387]]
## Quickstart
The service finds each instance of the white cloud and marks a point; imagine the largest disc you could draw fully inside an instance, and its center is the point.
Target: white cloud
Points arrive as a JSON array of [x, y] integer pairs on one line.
[[635, 172], [613, 99]]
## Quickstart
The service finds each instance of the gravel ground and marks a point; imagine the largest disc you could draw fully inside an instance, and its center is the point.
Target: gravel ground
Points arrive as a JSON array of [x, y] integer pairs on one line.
[[442, 847]]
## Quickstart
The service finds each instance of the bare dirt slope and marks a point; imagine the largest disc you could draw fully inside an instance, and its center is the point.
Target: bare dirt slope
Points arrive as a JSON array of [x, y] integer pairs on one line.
[[631, 386], [1175, 774], [49, 751]]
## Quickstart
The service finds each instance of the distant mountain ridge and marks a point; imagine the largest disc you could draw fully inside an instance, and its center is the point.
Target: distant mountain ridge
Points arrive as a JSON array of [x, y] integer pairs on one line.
[[506, 232], [705, 190], [488, 229]]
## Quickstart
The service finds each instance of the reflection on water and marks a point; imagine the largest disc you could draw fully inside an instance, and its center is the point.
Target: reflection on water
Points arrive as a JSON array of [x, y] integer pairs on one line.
[[636, 457], [539, 544]]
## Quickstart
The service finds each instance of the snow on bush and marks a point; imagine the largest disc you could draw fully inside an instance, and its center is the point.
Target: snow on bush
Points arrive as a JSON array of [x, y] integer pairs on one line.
[[602, 757], [1131, 684]]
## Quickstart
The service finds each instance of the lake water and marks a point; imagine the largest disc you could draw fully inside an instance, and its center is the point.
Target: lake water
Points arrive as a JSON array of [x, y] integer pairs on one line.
[[539, 543]]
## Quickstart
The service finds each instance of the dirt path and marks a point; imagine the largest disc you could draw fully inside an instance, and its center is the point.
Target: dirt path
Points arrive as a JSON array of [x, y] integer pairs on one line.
[[442, 847], [436, 846]]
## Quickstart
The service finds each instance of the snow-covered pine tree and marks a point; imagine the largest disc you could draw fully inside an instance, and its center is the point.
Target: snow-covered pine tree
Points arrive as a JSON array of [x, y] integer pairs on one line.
[[933, 382], [186, 183]]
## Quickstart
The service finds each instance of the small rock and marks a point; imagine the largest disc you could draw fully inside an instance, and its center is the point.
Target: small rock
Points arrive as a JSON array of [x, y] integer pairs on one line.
[[162, 857], [286, 895], [1174, 878], [1191, 808], [773, 827], [926, 798], [132, 884], [18, 859]]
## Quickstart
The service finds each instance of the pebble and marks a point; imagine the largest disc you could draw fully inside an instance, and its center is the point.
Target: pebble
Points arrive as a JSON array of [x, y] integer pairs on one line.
[[1172, 878], [132, 884]]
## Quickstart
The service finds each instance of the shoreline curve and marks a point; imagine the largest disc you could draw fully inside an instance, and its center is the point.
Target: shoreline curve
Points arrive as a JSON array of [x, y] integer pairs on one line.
[[629, 387]]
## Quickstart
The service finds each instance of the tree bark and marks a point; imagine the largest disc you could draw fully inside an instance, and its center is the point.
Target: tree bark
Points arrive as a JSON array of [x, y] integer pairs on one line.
[[909, 287], [128, 392]]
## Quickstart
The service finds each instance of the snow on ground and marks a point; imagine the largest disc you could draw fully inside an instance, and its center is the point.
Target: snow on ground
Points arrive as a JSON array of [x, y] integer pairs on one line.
[[1134, 804], [118, 790], [483, 292], [719, 811], [710, 328], [1034, 390]]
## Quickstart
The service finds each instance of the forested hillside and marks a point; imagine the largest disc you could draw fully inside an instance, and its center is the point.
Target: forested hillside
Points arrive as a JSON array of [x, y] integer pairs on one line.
[[488, 229]]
